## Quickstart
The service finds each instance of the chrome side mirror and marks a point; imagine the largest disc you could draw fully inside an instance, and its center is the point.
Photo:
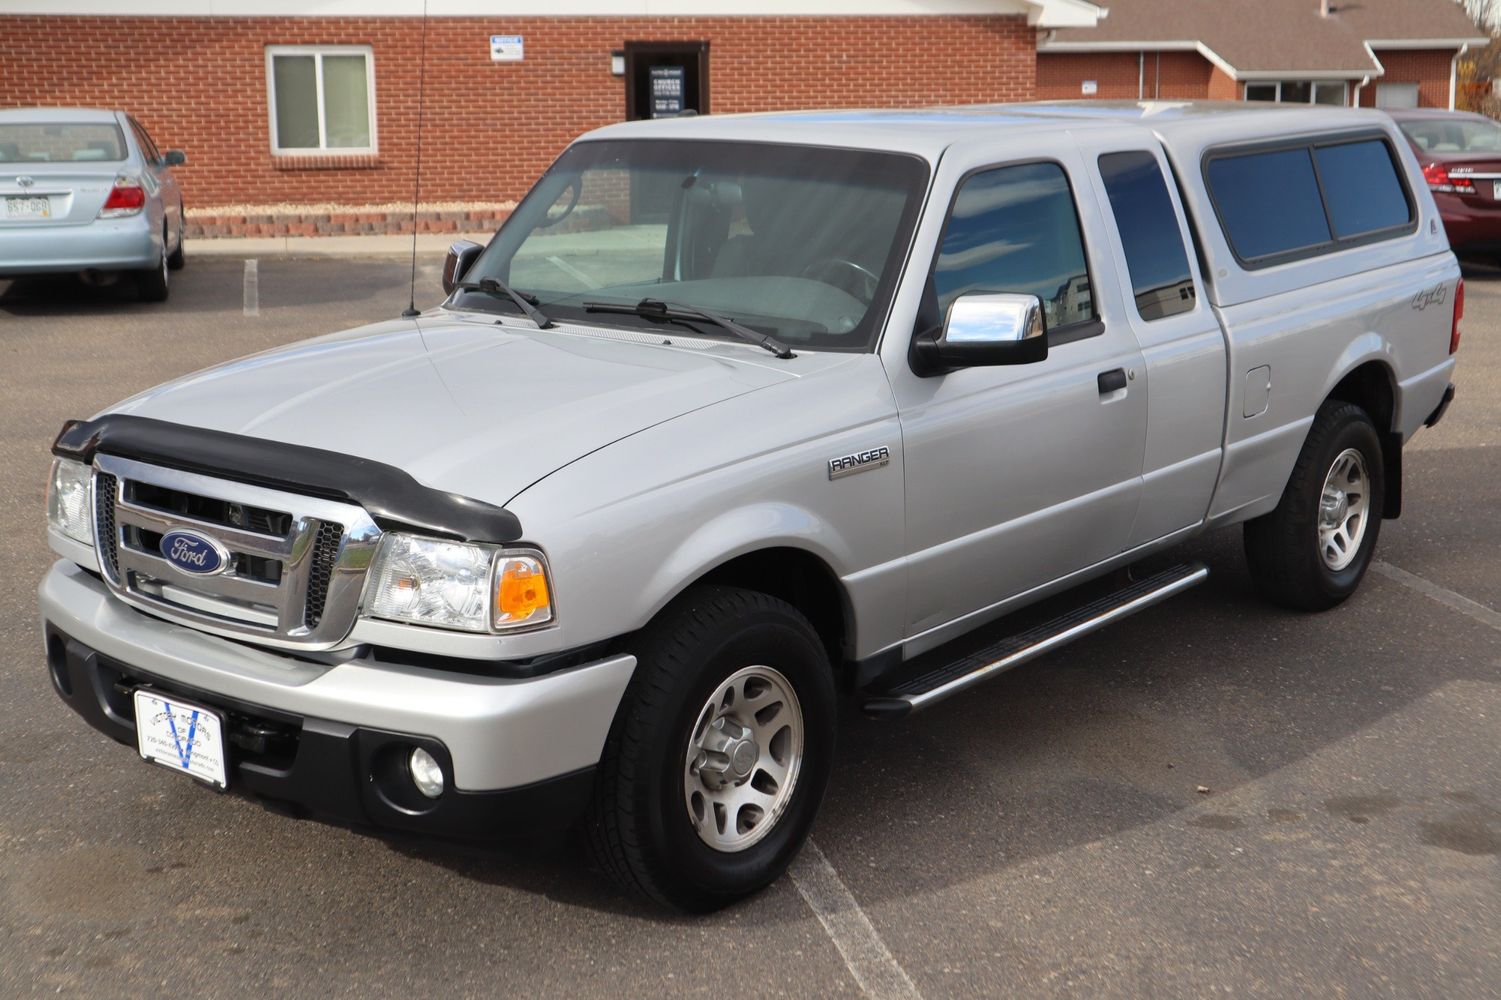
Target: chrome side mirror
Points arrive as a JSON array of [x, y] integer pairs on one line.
[[461, 257], [984, 329]]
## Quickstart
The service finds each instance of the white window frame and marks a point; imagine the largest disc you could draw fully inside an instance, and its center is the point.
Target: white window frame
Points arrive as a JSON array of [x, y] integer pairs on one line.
[[318, 52], [1313, 90]]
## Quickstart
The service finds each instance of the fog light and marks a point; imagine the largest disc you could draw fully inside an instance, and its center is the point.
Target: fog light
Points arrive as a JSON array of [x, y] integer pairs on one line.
[[427, 773]]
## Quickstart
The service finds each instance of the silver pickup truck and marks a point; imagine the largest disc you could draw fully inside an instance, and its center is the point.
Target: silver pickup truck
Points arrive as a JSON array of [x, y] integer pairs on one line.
[[733, 417]]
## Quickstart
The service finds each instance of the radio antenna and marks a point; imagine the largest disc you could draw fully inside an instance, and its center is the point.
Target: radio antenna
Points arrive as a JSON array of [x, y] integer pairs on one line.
[[411, 310]]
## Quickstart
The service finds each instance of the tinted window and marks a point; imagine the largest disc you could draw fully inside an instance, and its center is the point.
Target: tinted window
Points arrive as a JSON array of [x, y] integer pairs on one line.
[[1269, 202], [1361, 188], [1015, 229], [1155, 257]]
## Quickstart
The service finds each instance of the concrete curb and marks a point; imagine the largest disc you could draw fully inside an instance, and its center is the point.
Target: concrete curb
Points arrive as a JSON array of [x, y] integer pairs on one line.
[[328, 246]]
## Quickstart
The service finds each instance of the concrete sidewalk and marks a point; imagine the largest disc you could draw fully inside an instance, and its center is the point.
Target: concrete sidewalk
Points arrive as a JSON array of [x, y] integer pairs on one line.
[[329, 246]]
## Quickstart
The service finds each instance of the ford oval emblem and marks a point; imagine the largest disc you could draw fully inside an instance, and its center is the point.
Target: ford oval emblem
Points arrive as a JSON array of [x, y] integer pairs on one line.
[[194, 552]]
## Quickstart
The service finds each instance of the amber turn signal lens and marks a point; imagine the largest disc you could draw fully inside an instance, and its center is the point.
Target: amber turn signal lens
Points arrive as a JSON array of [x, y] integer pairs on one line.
[[521, 592]]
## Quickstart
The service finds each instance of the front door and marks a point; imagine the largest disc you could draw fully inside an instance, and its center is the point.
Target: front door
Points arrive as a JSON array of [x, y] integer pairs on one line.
[[666, 79], [1019, 475]]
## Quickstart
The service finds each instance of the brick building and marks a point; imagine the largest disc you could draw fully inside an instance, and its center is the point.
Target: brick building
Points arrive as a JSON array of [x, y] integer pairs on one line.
[[1375, 53], [279, 102]]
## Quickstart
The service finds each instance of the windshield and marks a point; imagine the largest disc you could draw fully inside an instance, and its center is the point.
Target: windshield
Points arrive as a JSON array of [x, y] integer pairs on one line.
[[1453, 135], [803, 243], [54, 143]]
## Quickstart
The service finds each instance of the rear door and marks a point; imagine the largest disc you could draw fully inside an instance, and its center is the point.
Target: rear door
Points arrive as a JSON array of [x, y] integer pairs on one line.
[[157, 176], [1149, 245], [1020, 475]]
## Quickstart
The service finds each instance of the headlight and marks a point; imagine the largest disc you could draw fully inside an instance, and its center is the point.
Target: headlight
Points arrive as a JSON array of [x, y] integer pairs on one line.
[[69, 511], [476, 588]]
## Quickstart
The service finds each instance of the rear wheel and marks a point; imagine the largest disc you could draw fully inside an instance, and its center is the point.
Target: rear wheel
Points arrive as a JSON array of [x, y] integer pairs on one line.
[[1312, 550], [151, 284], [178, 258], [719, 756]]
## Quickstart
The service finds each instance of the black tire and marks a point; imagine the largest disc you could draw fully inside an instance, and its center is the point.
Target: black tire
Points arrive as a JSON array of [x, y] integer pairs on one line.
[[178, 258], [638, 827], [151, 284], [1283, 548]]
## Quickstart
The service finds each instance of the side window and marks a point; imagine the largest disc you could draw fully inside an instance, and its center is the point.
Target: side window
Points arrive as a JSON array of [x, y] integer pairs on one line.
[[148, 148], [1269, 202], [1155, 257], [1361, 188], [1015, 229]]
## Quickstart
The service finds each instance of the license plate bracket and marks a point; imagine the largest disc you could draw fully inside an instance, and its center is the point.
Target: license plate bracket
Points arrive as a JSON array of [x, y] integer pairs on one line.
[[181, 736]]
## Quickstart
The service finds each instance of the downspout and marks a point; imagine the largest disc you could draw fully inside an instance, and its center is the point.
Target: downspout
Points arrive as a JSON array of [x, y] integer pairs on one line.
[[1141, 74], [1355, 103], [1454, 72]]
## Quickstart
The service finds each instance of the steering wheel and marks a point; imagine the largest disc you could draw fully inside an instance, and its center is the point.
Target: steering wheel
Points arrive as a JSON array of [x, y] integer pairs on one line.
[[845, 275]]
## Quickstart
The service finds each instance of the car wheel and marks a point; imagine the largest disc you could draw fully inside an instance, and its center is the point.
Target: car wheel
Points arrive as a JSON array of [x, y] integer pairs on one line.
[[179, 258], [719, 755], [1312, 550], [151, 284]]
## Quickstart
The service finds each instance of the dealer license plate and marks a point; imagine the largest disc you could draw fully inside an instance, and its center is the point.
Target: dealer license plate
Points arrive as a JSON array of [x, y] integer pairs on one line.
[[28, 208], [181, 736]]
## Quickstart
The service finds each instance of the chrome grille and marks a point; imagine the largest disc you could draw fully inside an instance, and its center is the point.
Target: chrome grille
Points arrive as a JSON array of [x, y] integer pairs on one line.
[[296, 563]]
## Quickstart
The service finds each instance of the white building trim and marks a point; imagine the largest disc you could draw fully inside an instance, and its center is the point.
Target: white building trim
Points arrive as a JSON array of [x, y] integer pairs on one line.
[[1039, 13]]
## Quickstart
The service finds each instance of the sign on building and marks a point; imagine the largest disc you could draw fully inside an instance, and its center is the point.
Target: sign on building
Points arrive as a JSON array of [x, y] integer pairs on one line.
[[666, 91], [1090, 88], [507, 48]]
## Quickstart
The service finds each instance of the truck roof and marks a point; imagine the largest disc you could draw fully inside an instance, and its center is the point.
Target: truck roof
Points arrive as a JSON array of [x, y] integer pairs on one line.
[[929, 131]]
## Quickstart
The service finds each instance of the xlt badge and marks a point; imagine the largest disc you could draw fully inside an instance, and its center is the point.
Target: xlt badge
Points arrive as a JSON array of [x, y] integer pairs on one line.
[[860, 461]]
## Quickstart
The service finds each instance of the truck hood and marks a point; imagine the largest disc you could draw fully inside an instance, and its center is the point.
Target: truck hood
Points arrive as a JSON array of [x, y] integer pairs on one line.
[[464, 404]]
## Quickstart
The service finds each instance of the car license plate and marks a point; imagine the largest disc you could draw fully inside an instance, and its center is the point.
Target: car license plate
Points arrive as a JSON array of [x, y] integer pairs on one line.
[[28, 208], [181, 736]]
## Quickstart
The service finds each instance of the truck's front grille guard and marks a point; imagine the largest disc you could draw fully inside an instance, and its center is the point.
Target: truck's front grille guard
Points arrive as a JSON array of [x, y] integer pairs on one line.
[[323, 556]]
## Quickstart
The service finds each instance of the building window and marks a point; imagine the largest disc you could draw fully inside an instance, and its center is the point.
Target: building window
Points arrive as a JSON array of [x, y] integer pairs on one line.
[[1299, 92], [322, 99], [1396, 95]]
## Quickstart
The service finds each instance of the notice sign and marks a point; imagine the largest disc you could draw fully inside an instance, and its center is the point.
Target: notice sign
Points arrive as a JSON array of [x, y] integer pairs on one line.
[[666, 91], [507, 48], [1090, 88]]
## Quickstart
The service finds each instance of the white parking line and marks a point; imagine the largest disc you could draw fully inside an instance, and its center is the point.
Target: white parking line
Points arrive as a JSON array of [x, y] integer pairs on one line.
[[252, 287], [1443, 595], [876, 973]]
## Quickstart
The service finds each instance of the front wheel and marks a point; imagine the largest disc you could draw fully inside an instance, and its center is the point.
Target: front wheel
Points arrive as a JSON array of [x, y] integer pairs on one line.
[[720, 753], [1312, 550]]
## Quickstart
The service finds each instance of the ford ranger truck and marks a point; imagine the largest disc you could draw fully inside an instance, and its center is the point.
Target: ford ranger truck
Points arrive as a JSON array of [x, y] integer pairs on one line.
[[738, 416]]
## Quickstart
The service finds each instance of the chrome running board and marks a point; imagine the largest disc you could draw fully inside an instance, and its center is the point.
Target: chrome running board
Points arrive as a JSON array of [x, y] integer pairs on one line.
[[990, 661]]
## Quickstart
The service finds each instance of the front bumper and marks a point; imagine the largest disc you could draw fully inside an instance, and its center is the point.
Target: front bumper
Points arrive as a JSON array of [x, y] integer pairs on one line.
[[332, 738], [102, 245]]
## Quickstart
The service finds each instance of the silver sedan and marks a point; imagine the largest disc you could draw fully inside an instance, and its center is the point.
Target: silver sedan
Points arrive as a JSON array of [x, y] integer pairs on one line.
[[88, 192]]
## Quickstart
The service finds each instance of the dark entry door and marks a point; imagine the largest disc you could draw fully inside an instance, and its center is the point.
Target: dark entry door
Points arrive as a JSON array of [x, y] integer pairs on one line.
[[665, 79]]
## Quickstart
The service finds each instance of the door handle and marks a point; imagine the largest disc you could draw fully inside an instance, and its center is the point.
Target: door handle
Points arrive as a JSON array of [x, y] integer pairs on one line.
[[1112, 381]]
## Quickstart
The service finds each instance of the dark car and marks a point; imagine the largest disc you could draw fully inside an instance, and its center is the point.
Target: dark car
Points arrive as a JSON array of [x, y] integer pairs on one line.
[[1461, 157]]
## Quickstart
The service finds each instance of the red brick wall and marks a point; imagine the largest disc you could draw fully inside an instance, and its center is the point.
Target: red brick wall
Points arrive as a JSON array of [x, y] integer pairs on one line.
[[200, 84], [1428, 68], [1176, 75], [1222, 86]]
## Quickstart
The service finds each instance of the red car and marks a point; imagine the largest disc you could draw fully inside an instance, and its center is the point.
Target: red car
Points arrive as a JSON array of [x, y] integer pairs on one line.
[[1461, 157]]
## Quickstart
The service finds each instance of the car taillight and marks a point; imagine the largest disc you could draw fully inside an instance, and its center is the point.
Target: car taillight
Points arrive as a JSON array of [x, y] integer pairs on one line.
[[127, 197], [1438, 178], [1459, 314]]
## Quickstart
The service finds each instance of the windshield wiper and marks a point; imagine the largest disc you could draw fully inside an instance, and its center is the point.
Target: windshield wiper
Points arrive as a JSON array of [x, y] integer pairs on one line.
[[657, 309], [526, 303]]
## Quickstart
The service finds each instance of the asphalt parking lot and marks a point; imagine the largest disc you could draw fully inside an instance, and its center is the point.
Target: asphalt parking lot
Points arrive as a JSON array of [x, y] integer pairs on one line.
[[1045, 836]]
